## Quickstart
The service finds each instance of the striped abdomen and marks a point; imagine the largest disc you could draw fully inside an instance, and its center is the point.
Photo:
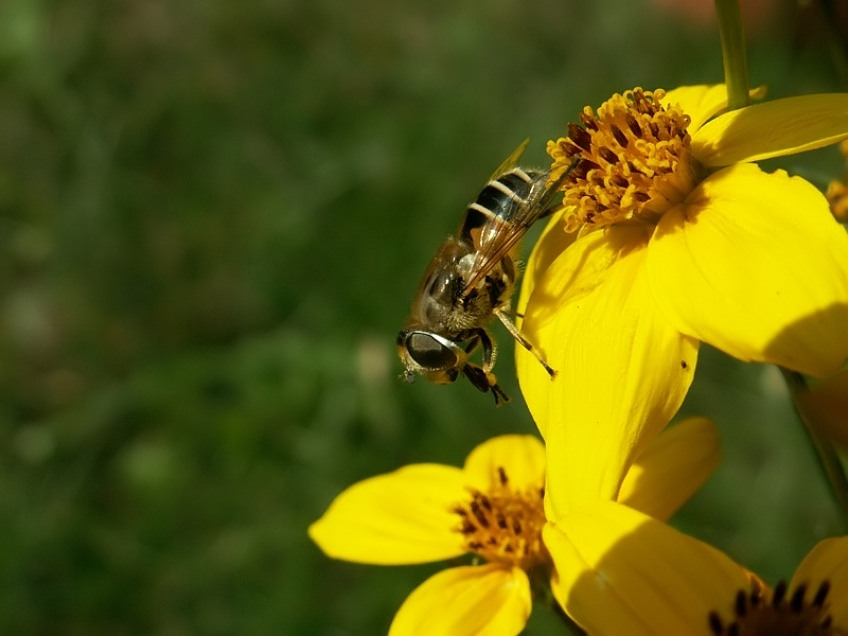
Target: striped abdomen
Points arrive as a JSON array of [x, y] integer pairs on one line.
[[497, 204]]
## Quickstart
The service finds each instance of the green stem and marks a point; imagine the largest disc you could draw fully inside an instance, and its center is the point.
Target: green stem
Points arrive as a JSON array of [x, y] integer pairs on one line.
[[828, 457], [732, 33]]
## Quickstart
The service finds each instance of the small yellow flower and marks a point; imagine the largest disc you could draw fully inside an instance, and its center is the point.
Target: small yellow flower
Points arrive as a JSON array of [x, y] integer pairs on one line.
[[491, 508], [631, 574], [679, 239]]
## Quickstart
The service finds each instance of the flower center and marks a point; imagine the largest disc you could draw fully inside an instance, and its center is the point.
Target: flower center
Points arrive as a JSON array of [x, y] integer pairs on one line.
[[782, 615], [634, 161], [505, 526]]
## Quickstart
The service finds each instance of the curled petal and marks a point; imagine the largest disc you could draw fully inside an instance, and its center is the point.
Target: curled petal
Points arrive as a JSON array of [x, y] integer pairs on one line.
[[673, 466], [622, 370], [772, 129], [754, 264], [828, 561], [521, 457], [488, 600], [398, 518], [622, 572]]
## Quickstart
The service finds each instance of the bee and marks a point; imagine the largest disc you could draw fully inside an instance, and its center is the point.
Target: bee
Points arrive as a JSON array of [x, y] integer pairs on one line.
[[471, 279]]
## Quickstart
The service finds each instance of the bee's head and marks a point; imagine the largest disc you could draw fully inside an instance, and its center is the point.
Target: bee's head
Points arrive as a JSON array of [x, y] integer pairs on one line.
[[435, 357]]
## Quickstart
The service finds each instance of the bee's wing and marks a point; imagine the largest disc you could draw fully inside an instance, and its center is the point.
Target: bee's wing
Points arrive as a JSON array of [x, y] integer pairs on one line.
[[510, 162], [537, 206]]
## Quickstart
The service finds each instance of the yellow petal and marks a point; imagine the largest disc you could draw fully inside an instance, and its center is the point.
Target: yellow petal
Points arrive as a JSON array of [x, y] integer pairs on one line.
[[827, 561], [489, 600], [551, 243], [700, 102], [772, 129], [621, 572], [622, 370], [522, 458], [551, 247], [754, 264], [674, 465], [703, 102], [396, 518]]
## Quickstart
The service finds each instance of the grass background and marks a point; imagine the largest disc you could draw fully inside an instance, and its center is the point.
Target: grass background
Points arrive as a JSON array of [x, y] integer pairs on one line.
[[213, 216]]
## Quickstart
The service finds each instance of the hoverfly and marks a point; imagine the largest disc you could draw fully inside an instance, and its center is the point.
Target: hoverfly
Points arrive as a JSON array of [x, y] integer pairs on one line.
[[471, 279]]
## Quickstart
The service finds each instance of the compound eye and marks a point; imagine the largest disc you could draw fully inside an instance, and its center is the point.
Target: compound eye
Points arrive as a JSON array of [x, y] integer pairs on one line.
[[429, 352]]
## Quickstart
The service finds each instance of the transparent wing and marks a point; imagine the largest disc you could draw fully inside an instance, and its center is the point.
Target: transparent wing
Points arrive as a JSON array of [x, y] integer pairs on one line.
[[510, 162]]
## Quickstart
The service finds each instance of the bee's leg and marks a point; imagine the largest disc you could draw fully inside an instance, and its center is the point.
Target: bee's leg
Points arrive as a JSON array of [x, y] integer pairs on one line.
[[522, 340], [485, 381], [490, 350], [472, 344]]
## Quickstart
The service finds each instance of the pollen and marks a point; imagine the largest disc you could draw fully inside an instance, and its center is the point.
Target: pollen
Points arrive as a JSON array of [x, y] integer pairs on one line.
[[505, 525], [634, 161], [779, 613]]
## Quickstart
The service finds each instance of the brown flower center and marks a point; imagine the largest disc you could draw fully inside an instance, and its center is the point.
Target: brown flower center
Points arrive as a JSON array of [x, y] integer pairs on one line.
[[504, 525], [635, 161], [755, 614]]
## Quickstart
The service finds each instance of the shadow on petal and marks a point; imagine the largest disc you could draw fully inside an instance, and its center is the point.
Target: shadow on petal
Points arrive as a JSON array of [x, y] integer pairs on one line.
[[621, 572], [816, 345]]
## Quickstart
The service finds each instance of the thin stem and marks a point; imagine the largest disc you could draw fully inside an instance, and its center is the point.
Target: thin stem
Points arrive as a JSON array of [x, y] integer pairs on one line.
[[732, 33], [828, 457]]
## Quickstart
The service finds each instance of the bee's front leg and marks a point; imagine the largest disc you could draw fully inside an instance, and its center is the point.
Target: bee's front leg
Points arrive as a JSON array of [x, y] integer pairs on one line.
[[485, 381]]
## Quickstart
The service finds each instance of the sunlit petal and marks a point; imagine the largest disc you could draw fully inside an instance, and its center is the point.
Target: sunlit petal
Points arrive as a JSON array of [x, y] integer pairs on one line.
[[551, 243], [772, 129], [700, 102], [489, 600], [673, 466], [621, 572], [827, 561], [754, 264], [400, 517], [580, 270], [521, 457], [622, 370]]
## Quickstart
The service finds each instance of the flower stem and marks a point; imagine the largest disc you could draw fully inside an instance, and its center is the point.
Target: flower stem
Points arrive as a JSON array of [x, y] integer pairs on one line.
[[828, 457], [732, 33]]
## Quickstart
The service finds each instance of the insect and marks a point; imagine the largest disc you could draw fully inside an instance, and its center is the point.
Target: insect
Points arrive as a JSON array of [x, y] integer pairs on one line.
[[471, 279]]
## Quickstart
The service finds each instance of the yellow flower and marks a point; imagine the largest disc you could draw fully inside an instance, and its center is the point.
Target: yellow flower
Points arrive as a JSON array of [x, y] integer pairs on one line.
[[631, 574], [680, 240], [493, 509]]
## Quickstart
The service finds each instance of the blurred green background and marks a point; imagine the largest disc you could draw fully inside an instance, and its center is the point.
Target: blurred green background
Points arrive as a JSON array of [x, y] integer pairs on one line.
[[214, 216]]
